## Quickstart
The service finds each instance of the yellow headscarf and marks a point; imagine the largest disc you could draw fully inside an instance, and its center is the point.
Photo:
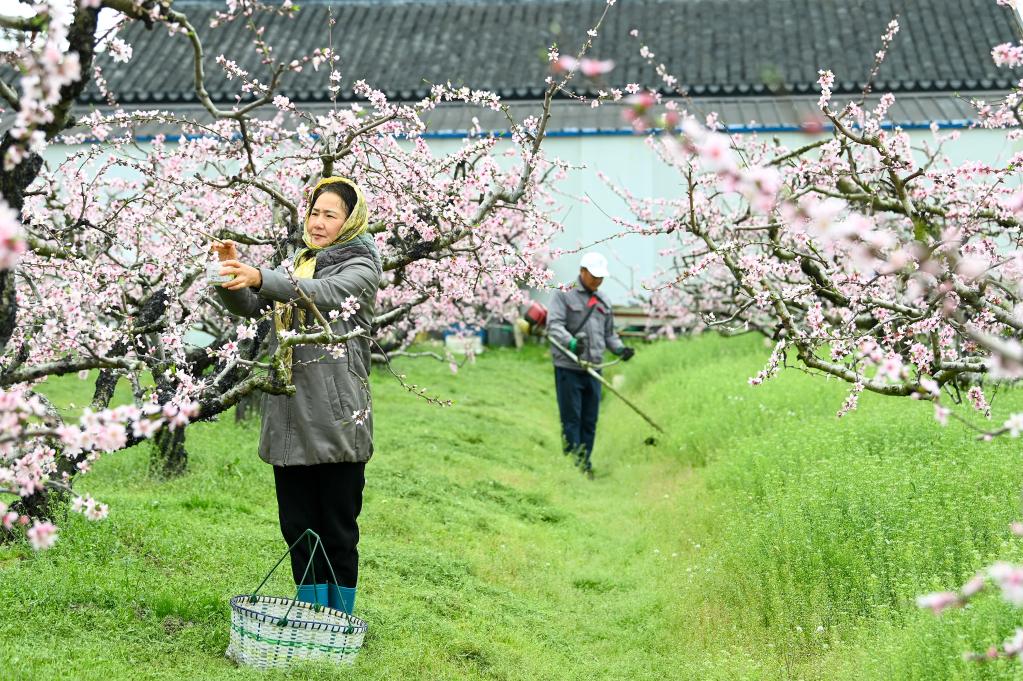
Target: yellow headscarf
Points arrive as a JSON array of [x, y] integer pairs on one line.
[[305, 260], [355, 225]]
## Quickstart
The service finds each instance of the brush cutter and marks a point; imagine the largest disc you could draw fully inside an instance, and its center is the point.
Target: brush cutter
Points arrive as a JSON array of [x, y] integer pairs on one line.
[[535, 322]]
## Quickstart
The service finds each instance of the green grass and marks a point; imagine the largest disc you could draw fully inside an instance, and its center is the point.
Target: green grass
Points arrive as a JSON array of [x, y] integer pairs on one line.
[[760, 538]]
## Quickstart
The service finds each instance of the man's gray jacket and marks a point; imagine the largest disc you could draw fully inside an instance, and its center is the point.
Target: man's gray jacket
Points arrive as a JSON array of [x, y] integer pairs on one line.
[[565, 319]]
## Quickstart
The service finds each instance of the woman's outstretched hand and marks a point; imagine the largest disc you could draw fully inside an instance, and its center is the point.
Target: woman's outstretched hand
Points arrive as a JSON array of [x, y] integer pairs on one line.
[[245, 276]]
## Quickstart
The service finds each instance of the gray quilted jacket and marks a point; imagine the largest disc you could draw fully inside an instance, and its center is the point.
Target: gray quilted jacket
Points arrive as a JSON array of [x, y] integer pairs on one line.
[[316, 424]]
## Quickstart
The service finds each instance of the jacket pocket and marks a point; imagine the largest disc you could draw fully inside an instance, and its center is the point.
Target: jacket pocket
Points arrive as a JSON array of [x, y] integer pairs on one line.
[[574, 314], [336, 405]]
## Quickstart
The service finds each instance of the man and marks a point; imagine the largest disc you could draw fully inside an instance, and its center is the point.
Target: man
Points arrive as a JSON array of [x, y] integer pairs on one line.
[[581, 320]]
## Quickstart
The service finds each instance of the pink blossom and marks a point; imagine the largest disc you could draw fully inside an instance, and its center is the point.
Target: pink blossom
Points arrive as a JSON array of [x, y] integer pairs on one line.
[[979, 402], [119, 50], [1014, 646], [596, 67], [90, 508], [146, 427], [972, 266], [939, 601], [974, 586], [1014, 203], [1014, 424], [922, 356], [12, 245], [1007, 55], [565, 64], [826, 81], [891, 368], [42, 535], [715, 152], [1010, 578], [822, 214], [930, 386]]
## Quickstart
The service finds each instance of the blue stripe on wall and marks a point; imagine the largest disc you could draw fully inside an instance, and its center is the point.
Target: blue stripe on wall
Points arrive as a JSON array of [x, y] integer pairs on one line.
[[593, 132]]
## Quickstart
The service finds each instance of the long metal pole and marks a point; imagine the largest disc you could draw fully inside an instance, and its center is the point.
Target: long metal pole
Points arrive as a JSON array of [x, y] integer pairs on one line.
[[592, 372]]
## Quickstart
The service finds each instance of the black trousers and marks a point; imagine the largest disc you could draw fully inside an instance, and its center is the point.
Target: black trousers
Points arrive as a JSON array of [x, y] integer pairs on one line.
[[326, 498], [579, 406]]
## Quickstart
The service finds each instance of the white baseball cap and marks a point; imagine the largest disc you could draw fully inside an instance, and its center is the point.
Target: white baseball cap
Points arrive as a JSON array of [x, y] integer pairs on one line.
[[595, 264]]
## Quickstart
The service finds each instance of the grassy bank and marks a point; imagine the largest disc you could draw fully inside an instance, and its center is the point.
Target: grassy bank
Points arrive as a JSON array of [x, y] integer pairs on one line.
[[760, 538], [809, 536]]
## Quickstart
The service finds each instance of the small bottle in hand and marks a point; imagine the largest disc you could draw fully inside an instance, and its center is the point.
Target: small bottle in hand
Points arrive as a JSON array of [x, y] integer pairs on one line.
[[220, 251]]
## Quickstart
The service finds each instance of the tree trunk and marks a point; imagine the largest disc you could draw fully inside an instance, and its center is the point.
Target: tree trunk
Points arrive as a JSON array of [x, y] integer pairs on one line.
[[168, 457], [8, 307], [46, 504]]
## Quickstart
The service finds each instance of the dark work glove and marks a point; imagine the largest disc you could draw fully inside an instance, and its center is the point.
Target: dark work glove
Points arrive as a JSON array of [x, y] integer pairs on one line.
[[578, 345], [627, 353]]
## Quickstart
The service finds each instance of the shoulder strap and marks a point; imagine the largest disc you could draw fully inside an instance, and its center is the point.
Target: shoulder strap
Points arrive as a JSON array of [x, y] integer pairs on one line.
[[591, 306]]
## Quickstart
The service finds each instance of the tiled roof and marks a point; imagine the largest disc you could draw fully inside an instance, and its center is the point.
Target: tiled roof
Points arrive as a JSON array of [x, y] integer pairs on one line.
[[716, 47]]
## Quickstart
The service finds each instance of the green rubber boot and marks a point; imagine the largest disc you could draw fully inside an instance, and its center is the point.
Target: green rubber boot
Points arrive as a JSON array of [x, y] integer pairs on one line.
[[316, 594], [307, 593], [341, 598]]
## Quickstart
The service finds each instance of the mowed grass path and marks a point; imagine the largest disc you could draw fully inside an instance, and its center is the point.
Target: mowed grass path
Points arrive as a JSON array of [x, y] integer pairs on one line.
[[761, 538]]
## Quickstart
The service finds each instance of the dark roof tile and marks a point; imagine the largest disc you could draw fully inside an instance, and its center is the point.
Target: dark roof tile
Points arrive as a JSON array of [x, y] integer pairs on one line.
[[741, 46]]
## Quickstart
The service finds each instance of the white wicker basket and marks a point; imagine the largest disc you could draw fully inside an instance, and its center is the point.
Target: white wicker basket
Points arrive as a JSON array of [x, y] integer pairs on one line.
[[269, 632]]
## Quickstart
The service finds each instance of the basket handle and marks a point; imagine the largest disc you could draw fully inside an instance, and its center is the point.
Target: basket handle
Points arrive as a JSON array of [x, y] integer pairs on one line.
[[309, 535]]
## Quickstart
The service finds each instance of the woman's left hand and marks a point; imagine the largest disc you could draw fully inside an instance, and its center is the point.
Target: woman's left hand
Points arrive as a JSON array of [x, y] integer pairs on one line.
[[245, 276]]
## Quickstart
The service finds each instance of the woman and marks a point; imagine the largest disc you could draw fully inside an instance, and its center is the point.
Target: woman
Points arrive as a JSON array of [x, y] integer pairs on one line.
[[319, 439]]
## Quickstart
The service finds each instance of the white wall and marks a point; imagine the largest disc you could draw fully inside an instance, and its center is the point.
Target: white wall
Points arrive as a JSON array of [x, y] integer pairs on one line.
[[631, 164]]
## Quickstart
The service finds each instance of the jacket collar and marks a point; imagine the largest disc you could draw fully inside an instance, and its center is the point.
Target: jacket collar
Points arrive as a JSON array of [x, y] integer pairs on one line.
[[586, 292], [339, 253]]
